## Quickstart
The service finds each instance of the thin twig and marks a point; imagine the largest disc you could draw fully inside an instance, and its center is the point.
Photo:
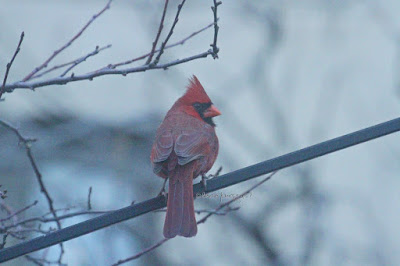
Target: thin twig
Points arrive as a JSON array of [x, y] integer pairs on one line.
[[21, 231], [55, 53], [27, 144], [147, 250], [16, 236], [73, 62], [38, 75], [17, 228], [89, 205], [19, 211], [215, 212], [4, 242], [8, 210], [15, 130], [42, 262], [35, 261], [181, 42], [204, 219], [21, 38], [215, 49], [83, 59], [43, 219], [171, 31], [158, 33], [41, 183], [60, 210]]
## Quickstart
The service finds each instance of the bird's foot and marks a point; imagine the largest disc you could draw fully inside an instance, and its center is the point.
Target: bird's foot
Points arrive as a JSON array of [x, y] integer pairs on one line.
[[162, 191], [204, 181], [204, 177], [213, 175]]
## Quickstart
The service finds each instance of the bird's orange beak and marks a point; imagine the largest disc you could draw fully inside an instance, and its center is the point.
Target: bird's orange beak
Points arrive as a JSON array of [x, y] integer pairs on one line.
[[212, 111]]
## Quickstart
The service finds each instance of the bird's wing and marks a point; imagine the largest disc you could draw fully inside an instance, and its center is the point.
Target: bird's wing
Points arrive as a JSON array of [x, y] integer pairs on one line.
[[162, 147], [191, 145]]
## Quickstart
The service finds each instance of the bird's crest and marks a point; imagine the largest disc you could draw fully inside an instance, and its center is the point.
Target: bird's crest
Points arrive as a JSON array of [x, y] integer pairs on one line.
[[195, 92]]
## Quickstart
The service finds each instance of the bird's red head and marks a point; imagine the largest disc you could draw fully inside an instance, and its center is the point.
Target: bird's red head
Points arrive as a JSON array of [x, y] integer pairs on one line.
[[197, 103]]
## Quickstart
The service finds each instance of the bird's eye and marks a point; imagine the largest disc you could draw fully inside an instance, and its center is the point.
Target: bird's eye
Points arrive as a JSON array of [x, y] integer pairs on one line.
[[197, 105]]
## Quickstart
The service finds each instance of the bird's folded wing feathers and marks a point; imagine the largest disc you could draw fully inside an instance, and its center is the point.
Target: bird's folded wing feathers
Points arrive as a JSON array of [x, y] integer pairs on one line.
[[191, 145], [162, 147]]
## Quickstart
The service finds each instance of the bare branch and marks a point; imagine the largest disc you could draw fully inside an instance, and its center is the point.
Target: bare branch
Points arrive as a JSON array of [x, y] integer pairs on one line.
[[225, 205], [21, 231], [158, 33], [26, 83], [21, 38], [15, 130], [215, 49], [27, 144], [181, 42], [19, 211], [12, 219], [83, 59], [74, 62], [4, 242], [88, 200], [145, 251], [98, 73], [171, 31], [18, 229], [42, 262], [34, 260], [23, 225], [43, 219], [5, 207], [55, 53]]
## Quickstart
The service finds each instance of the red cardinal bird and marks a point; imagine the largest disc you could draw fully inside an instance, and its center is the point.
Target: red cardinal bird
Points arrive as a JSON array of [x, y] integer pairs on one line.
[[185, 147]]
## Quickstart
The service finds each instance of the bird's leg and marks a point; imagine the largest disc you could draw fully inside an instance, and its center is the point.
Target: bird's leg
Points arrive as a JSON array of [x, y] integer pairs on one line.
[[204, 181], [205, 177], [162, 191]]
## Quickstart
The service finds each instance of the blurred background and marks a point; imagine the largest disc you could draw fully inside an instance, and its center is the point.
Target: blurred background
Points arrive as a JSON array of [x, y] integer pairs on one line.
[[290, 74]]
